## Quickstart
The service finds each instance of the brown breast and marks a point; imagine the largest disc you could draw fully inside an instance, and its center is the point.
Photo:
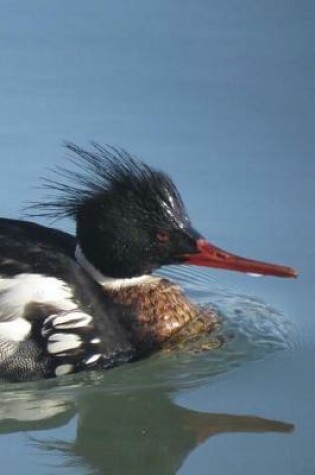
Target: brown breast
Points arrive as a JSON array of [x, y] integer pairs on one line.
[[157, 314]]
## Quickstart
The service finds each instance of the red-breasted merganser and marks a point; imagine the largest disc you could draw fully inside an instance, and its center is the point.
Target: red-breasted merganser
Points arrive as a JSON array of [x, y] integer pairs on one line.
[[91, 301]]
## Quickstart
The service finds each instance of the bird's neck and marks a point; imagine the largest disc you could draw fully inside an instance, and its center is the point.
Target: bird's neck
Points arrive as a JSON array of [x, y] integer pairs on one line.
[[154, 311], [158, 314], [108, 282]]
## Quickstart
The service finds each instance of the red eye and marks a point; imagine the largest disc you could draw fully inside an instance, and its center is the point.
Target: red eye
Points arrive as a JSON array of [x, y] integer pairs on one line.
[[163, 236]]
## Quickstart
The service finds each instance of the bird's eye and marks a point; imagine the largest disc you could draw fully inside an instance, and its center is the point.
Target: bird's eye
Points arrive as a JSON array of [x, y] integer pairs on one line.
[[162, 236]]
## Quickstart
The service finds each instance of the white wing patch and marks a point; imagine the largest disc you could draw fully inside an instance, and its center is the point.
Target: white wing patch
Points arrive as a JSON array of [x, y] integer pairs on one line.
[[14, 330], [17, 292], [62, 342]]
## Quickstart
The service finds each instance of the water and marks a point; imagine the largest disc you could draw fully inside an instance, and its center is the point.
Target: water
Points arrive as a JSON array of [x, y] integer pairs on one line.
[[221, 95]]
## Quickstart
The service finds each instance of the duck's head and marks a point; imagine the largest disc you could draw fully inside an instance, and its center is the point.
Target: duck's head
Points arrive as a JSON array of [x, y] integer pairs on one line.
[[131, 219]]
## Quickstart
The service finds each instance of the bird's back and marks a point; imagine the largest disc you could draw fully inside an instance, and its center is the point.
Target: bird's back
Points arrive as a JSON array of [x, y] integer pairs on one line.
[[39, 274]]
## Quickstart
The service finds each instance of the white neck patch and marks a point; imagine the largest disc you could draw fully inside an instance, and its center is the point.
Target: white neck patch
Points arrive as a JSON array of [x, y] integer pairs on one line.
[[110, 282]]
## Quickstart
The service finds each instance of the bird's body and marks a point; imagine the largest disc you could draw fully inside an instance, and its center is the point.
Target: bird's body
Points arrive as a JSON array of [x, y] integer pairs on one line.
[[69, 303]]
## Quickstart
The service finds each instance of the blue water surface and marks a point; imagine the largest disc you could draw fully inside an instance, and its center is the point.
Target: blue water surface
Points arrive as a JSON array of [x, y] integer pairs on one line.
[[220, 95]]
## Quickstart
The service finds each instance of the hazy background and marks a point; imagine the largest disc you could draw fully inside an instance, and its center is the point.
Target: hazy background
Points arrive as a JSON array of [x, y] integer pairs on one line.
[[221, 95]]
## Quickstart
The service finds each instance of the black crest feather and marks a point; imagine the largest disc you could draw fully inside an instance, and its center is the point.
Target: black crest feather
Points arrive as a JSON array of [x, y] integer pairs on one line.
[[96, 173]]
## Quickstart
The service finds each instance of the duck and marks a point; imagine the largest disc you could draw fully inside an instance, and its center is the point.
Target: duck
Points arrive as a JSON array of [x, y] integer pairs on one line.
[[93, 300]]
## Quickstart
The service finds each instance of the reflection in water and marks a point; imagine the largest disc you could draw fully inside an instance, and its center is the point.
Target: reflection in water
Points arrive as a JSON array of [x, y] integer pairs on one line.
[[135, 432]]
